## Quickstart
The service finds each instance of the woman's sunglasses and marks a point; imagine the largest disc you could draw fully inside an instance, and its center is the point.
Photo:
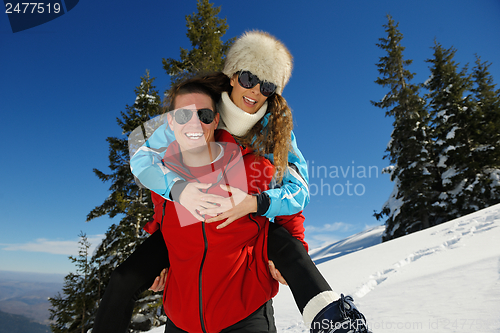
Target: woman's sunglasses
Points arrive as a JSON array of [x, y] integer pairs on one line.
[[248, 80], [182, 116]]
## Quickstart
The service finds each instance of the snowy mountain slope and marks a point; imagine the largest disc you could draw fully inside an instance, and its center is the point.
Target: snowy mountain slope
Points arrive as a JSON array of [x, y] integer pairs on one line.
[[359, 241], [443, 279]]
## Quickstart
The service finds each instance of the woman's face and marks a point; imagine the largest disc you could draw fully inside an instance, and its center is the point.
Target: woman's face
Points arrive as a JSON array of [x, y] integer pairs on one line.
[[249, 100]]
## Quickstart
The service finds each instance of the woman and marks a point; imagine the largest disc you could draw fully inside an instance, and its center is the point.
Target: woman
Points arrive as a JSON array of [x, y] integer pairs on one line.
[[258, 117]]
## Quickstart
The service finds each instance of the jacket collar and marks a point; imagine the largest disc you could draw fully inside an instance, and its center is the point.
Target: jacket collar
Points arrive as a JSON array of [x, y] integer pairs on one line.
[[232, 153]]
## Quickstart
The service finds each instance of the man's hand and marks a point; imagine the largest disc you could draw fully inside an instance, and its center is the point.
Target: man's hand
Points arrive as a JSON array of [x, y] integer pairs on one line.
[[159, 283], [276, 274], [238, 205]]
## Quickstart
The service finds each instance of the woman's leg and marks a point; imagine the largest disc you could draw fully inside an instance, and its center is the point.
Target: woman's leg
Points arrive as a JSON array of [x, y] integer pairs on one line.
[[317, 302], [128, 281], [294, 263]]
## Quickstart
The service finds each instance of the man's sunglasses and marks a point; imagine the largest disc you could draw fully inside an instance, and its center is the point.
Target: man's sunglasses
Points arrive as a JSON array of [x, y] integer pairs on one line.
[[248, 80], [182, 116]]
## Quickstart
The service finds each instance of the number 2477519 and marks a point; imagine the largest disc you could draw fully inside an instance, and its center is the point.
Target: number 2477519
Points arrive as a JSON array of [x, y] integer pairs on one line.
[[32, 8]]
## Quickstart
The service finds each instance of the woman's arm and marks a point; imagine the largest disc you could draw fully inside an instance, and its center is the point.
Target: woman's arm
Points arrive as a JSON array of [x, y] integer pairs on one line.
[[292, 194], [146, 163], [286, 198]]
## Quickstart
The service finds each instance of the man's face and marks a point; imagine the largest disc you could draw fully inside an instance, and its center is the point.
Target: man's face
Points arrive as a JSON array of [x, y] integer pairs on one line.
[[194, 134]]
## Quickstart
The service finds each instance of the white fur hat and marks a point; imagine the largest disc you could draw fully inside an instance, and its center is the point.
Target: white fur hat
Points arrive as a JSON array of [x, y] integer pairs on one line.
[[261, 54]]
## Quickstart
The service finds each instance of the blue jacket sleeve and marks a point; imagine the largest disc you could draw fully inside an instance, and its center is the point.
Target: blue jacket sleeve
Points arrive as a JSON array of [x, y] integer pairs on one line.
[[292, 194], [146, 163]]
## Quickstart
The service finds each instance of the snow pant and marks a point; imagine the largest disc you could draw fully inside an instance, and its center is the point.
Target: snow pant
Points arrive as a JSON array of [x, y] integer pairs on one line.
[[295, 265], [262, 320], [128, 281], [137, 274]]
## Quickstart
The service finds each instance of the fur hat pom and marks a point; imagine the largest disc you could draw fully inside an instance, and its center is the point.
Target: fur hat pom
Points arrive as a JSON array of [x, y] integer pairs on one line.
[[261, 54]]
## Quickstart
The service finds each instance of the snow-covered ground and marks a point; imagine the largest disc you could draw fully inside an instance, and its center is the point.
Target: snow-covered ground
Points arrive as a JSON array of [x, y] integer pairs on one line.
[[443, 279]]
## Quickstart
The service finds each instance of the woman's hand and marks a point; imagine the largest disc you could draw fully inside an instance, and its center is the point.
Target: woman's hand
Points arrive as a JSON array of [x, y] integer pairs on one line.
[[276, 274], [239, 204], [159, 283], [194, 200]]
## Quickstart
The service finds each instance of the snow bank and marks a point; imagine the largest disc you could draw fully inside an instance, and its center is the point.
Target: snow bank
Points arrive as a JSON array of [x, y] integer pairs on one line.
[[443, 279]]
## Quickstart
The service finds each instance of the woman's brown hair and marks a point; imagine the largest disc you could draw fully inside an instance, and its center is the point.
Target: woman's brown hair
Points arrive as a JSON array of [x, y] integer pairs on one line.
[[276, 137]]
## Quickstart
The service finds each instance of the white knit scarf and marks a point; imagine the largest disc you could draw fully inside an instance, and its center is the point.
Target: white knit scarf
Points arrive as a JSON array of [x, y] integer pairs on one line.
[[235, 120]]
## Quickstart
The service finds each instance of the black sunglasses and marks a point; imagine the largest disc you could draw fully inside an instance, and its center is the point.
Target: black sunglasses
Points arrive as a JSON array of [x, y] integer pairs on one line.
[[182, 116], [248, 80]]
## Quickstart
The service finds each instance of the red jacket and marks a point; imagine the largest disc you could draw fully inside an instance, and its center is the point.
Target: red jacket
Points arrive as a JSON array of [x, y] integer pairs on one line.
[[218, 277]]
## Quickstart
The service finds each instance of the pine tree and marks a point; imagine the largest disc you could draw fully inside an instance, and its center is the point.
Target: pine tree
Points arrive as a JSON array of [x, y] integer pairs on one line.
[[204, 30], [72, 311], [446, 161], [454, 118], [127, 198], [487, 103], [407, 209], [481, 187]]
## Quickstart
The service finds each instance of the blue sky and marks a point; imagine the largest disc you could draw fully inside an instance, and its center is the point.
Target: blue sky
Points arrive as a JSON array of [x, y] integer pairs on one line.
[[65, 82]]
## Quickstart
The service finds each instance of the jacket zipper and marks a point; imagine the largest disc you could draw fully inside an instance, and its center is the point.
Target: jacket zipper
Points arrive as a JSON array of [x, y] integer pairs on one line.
[[163, 215], [200, 283], [253, 220], [200, 277]]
